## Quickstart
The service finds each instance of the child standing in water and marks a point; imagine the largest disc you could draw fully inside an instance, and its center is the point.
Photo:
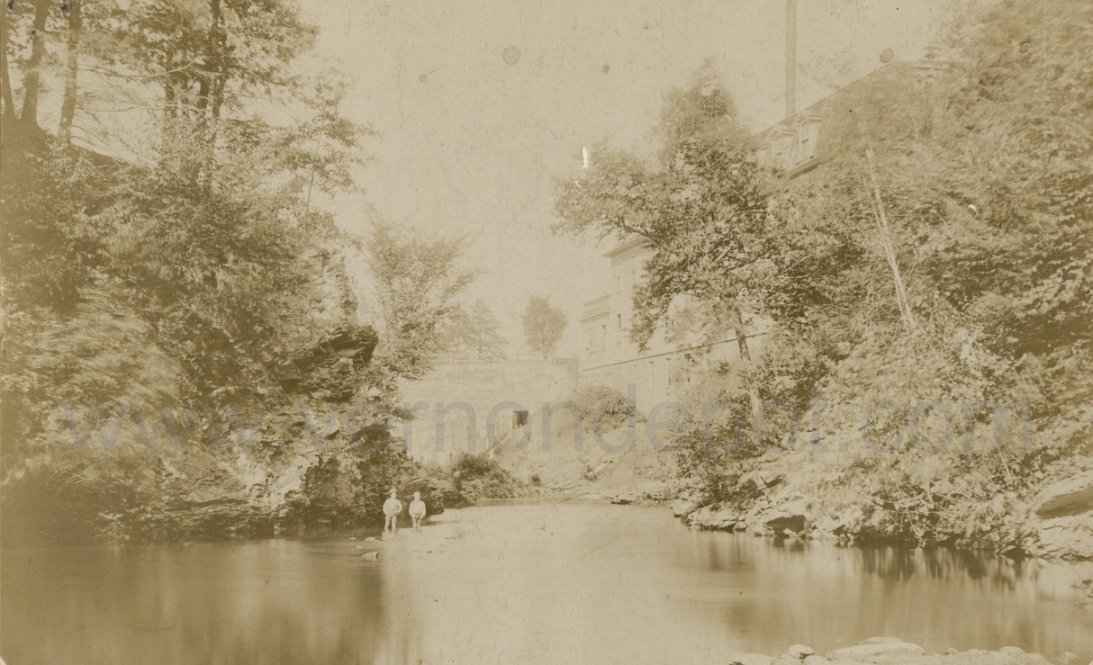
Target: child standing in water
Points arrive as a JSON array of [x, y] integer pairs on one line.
[[417, 511], [392, 507]]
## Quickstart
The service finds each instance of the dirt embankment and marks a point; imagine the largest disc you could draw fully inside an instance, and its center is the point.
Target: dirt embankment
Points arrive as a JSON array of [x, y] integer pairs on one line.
[[615, 462]]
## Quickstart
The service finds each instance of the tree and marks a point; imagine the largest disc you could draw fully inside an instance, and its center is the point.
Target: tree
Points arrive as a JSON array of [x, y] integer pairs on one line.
[[416, 282], [148, 269], [982, 168], [543, 325], [702, 207], [473, 332], [202, 228], [72, 68], [938, 255]]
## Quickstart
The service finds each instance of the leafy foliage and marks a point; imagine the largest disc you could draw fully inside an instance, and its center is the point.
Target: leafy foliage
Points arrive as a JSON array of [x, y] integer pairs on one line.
[[602, 409], [478, 477], [543, 325], [701, 206], [928, 282], [473, 332], [175, 313], [416, 283]]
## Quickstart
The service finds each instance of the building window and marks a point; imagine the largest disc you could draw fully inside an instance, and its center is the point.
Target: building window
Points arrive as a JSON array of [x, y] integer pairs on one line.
[[782, 148], [806, 146]]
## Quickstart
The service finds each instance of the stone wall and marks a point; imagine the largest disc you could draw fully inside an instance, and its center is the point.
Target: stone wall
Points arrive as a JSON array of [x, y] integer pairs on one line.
[[457, 404]]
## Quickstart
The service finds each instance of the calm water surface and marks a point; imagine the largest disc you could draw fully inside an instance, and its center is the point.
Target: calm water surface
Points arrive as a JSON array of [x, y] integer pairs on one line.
[[520, 584]]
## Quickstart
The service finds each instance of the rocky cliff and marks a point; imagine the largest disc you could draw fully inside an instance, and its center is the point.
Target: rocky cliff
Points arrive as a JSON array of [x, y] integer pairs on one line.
[[308, 448], [316, 452]]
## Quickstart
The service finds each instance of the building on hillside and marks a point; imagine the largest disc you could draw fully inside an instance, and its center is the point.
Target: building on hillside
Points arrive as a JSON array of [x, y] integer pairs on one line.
[[798, 143], [792, 147], [657, 373]]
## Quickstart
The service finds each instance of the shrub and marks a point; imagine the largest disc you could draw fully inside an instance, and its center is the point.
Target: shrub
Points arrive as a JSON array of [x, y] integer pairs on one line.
[[603, 408], [477, 477]]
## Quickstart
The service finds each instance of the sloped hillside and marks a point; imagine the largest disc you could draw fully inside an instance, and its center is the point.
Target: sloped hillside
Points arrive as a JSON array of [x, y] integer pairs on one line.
[[599, 449]]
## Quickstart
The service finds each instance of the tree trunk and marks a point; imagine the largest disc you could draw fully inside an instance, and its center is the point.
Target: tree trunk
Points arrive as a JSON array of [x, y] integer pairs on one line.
[[32, 81], [872, 188], [213, 86], [5, 73], [169, 85], [749, 381], [211, 66], [72, 66]]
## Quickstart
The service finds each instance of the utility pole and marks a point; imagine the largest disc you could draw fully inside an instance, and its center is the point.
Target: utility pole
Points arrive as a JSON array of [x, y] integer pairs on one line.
[[791, 57]]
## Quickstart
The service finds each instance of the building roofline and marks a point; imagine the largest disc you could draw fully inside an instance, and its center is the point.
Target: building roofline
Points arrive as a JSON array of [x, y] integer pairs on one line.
[[817, 107], [814, 109]]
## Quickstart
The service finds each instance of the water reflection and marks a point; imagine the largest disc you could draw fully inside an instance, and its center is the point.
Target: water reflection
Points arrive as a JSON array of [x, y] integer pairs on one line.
[[205, 603], [522, 584]]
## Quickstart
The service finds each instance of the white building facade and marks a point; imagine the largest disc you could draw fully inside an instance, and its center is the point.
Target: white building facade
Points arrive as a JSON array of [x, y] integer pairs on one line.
[[661, 372]]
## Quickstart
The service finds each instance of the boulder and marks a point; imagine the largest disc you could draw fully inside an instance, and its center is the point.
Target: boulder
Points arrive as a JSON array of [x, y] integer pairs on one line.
[[624, 499], [877, 646], [880, 640], [1072, 496], [715, 517], [794, 523], [801, 651], [753, 484], [1069, 537], [750, 659], [684, 506], [654, 490]]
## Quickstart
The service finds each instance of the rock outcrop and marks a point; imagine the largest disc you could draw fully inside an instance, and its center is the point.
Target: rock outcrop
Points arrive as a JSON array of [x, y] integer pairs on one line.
[[1067, 497], [1064, 518], [1056, 523], [894, 651], [310, 455]]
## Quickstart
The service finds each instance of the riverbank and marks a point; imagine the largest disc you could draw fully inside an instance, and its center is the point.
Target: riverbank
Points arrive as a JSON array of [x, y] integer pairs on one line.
[[893, 651], [1054, 523], [844, 492]]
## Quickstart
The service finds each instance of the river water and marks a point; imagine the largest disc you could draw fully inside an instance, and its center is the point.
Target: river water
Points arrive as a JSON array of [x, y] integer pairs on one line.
[[521, 584]]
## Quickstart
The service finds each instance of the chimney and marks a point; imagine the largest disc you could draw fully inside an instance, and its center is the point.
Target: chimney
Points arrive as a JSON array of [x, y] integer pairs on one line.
[[791, 57]]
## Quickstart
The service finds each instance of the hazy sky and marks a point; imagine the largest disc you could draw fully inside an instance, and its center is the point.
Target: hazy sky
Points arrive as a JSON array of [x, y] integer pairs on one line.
[[481, 104]]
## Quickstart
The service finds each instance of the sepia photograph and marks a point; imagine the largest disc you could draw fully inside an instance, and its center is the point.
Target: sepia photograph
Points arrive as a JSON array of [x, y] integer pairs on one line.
[[546, 332]]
